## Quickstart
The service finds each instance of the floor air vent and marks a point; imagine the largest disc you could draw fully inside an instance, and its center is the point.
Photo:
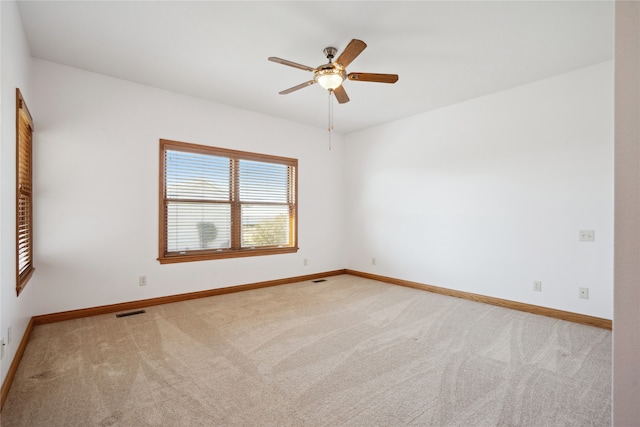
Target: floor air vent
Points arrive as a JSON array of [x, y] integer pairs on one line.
[[319, 280], [130, 313]]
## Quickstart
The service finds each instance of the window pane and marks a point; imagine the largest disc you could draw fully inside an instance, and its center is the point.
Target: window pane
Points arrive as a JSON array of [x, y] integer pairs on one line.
[[196, 176], [263, 182], [198, 226], [24, 234], [265, 225]]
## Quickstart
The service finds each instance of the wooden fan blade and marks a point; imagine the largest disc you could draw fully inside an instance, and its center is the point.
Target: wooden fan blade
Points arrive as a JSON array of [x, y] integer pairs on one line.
[[372, 77], [290, 63], [341, 94], [353, 49], [300, 86]]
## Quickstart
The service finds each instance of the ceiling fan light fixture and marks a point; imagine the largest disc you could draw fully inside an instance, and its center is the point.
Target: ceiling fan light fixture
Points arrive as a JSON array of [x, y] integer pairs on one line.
[[332, 74], [330, 78]]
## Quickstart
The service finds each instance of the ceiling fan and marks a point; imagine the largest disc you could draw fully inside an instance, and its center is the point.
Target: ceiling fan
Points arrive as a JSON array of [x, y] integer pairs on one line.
[[331, 75]]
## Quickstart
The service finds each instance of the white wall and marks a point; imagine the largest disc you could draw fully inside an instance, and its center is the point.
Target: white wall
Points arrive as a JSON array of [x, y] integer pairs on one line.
[[488, 195], [15, 311], [626, 326], [96, 189]]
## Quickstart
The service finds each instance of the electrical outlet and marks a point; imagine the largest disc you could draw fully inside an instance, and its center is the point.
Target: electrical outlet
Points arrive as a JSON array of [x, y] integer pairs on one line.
[[305, 262], [142, 280], [537, 286], [587, 235], [9, 335], [373, 261], [584, 293]]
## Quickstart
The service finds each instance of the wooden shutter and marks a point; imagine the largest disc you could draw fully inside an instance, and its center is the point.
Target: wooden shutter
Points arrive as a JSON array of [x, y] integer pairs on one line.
[[24, 195]]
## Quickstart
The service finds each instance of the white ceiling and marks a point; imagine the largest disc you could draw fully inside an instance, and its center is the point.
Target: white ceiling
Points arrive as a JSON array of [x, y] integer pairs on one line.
[[445, 52]]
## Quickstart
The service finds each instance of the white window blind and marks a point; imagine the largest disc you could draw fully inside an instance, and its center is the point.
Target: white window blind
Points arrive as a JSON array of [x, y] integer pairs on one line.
[[198, 202], [266, 200]]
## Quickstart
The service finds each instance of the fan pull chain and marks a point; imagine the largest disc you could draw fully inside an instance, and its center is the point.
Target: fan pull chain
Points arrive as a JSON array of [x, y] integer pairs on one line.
[[330, 124]]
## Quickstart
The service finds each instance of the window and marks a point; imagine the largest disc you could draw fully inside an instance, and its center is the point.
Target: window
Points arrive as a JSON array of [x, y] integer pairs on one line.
[[219, 203], [24, 199]]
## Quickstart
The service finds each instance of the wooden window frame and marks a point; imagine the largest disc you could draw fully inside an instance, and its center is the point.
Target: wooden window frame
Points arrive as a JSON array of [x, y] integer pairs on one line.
[[24, 193], [166, 257]]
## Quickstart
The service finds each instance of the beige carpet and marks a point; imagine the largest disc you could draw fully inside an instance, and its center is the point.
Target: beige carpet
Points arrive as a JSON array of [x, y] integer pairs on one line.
[[348, 351]]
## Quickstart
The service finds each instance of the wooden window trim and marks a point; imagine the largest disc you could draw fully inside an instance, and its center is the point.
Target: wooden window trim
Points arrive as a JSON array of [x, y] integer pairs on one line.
[[24, 190], [235, 251]]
